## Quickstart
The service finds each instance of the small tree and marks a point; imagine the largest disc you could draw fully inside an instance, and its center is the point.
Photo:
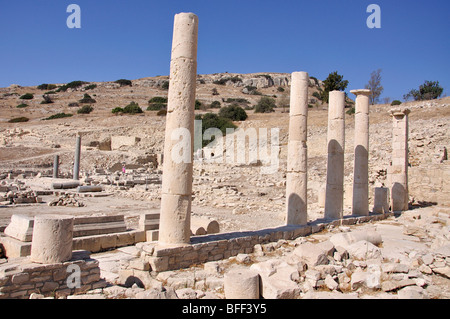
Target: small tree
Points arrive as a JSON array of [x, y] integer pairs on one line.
[[233, 112], [265, 105], [132, 108], [375, 86], [429, 90], [85, 109], [333, 82]]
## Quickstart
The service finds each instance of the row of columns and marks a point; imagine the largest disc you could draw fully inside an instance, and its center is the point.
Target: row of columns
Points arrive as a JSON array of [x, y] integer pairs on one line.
[[296, 184], [177, 178]]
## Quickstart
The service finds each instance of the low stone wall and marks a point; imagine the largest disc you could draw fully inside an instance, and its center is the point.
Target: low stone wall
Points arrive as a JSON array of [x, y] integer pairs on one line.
[[430, 183], [21, 277], [221, 246]]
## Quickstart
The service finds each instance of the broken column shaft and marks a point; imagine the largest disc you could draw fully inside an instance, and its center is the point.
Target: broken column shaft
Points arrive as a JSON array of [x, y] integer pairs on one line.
[[76, 163], [360, 205], [399, 166], [297, 160], [178, 144], [56, 166], [334, 196]]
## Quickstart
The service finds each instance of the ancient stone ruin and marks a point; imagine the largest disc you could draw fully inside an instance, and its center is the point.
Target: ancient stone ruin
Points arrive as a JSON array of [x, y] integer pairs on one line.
[[54, 253]]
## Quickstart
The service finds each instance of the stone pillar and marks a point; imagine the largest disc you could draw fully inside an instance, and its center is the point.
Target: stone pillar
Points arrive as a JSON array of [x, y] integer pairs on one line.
[[176, 195], [360, 205], [55, 166], [297, 160], [381, 200], [334, 197], [52, 239], [76, 163], [399, 166], [241, 284]]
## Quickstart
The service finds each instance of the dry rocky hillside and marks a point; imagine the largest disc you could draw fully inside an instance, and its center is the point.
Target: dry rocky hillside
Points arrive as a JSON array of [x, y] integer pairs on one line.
[[237, 195]]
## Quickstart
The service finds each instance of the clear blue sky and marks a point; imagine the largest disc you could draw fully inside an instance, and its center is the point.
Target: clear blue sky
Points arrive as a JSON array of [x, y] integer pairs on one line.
[[132, 39]]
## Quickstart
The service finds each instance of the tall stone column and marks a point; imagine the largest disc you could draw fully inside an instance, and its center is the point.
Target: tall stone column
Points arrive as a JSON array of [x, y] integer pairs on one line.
[[174, 227], [334, 196], [297, 160], [76, 162], [55, 166], [360, 205], [399, 166]]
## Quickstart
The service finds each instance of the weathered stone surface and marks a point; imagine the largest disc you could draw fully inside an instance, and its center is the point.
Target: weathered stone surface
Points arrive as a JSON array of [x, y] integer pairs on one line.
[[21, 227], [52, 239], [412, 292], [313, 254], [277, 279], [362, 250], [241, 284]]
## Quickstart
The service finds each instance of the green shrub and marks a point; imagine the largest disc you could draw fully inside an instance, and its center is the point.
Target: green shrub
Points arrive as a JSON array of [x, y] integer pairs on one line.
[[74, 104], [198, 105], [123, 82], [19, 119], [157, 103], [350, 111], [71, 85], [90, 87], [85, 109], [27, 96], [117, 110], [211, 120], [233, 112], [158, 99], [396, 102], [215, 105], [58, 116], [162, 112], [165, 85], [132, 108], [280, 89], [87, 99], [45, 86], [22, 105], [265, 105], [156, 106], [317, 95], [222, 81]]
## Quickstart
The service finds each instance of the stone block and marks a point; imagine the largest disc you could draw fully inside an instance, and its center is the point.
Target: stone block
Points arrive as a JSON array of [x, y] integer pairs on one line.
[[21, 227], [312, 254], [241, 284], [52, 239], [119, 140]]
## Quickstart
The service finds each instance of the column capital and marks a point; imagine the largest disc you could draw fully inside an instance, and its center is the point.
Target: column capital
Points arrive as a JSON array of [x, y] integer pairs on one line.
[[361, 92], [399, 112]]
